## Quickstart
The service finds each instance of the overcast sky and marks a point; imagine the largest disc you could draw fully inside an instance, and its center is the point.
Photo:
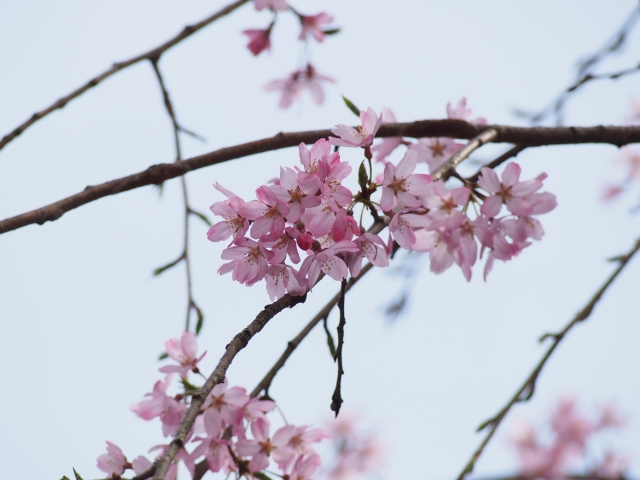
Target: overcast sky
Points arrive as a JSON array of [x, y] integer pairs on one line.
[[84, 320]]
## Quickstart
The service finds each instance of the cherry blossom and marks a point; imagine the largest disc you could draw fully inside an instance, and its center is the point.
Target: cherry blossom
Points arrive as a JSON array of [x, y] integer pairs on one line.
[[275, 5], [283, 279], [259, 40], [312, 25], [184, 352], [361, 136], [389, 144], [327, 262], [292, 87], [435, 151], [249, 261], [461, 112], [170, 410], [263, 447], [402, 185], [113, 463]]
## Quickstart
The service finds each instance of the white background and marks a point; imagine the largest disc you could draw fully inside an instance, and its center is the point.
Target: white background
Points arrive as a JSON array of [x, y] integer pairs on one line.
[[83, 320]]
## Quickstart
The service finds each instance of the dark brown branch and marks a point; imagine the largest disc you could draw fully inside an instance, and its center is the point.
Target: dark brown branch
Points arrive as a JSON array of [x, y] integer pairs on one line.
[[265, 383], [150, 55], [156, 174], [336, 398], [217, 376], [525, 392]]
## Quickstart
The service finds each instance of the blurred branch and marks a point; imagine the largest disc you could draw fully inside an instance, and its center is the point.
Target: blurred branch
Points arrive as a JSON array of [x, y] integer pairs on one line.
[[150, 55], [156, 174], [336, 398], [584, 72], [525, 392]]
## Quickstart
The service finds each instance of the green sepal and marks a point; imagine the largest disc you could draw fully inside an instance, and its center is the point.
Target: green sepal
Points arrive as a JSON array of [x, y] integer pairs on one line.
[[160, 270], [331, 31], [351, 106], [261, 476], [363, 178], [188, 385], [163, 355]]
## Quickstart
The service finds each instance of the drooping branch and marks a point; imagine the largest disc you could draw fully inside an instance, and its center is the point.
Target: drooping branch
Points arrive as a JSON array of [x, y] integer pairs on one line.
[[217, 376], [265, 383], [526, 390], [188, 210], [150, 55], [156, 174], [584, 72]]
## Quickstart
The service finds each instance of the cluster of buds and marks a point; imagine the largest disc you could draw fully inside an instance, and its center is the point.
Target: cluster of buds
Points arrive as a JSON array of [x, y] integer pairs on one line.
[[570, 436], [220, 435], [306, 78], [309, 211]]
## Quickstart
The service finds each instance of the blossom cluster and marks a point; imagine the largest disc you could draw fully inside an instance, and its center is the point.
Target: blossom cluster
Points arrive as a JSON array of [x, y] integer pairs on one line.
[[306, 78], [232, 432], [571, 434], [308, 211]]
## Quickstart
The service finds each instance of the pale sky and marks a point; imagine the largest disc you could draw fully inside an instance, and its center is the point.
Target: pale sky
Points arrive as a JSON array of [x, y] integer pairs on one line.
[[84, 320]]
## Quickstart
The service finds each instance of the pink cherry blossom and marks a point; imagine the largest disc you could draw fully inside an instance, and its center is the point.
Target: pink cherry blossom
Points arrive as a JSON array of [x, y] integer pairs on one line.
[[305, 466], [275, 5], [184, 352], [345, 227], [327, 262], [161, 405], [312, 25], [113, 463], [404, 223], [292, 87], [283, 279], [361, 136], [234, 224], [298, 190], [371, 247], [216, 453], [461, 112], [389, 144], [516, 195], [612, 467], [435, 151], [282, 245], [140, 465], [320, 219], [331, 172], [401, 185], [268, 212], [263, 447], [443, 202], [310, 158], [259, 40], [223, 407], [249, 261]]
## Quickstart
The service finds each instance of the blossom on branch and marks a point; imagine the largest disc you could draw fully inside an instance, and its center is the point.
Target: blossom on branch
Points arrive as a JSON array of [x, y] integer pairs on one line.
[[292, 87]]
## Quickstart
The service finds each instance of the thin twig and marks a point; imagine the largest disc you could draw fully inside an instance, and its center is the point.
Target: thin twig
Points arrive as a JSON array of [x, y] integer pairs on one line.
[[191, 304], [336, 398], [584, 75], [265, 383], [525, 392], [151, 54], [157, 174]]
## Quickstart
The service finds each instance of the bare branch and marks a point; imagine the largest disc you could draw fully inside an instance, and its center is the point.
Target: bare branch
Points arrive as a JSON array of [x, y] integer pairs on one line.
[[156, 174], [150, 55], [525, 392]]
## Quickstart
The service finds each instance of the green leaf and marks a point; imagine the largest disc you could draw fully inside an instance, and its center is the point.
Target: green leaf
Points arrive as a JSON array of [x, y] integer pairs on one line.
[[78, 477], [332, 31], [188, 385], [163, 355], [351, 106], [330, 343], [261, 476], [200, 321], [160, 270]]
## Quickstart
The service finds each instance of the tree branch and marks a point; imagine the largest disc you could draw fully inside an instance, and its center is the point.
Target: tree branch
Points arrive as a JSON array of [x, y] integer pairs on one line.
[[525, 392], [156, 174], [150, 55], [217, 376]]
